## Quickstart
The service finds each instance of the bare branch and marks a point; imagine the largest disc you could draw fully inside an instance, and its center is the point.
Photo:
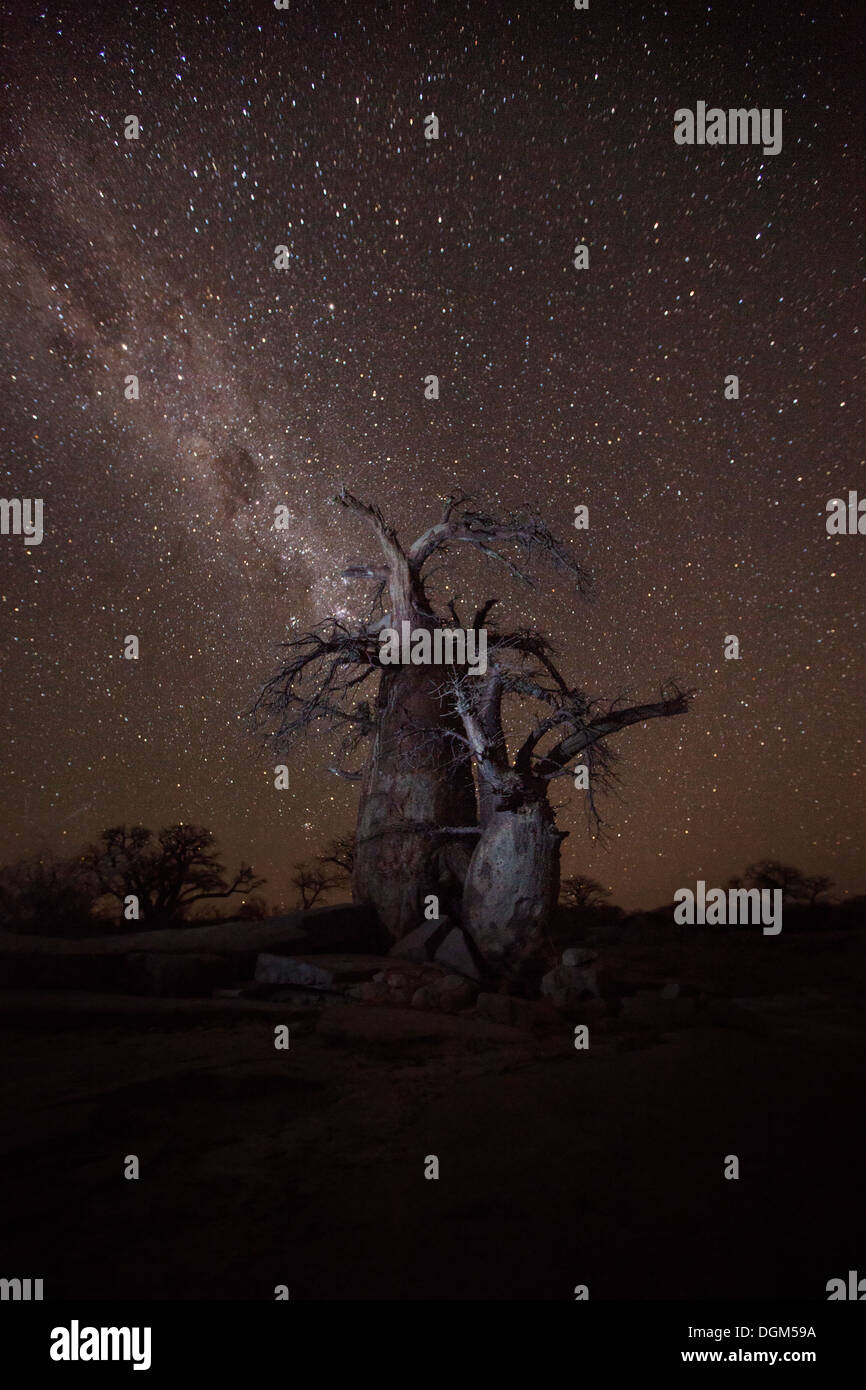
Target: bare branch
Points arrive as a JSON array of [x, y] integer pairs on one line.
[[397, 568], [318, 683], [603, 725], [523, 528]]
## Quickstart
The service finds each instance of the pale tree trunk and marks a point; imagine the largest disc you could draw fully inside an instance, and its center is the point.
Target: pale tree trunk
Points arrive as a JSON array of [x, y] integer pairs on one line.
[[412, 788], [413, 783], [512, 885]]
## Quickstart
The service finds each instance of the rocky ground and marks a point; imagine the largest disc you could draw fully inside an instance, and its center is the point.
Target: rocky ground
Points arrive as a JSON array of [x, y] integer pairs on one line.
[[557, 1166]]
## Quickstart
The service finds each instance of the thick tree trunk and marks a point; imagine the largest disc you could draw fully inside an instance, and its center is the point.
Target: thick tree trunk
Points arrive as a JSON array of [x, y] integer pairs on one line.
[[411, 789], [512, 884]]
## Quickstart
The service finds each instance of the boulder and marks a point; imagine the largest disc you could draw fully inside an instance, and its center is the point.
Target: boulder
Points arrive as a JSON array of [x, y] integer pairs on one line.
[[454, 954], [567, 986], [113, 961], [400, 988], [38, 970], [421, 943], [286, 970], [578, 955], [451, 994]]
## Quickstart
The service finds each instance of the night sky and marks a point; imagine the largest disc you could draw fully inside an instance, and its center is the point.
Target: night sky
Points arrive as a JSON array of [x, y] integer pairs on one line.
[[604, 387]]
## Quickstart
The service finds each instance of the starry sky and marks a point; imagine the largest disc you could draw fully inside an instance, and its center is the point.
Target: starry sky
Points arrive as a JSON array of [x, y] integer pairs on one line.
[[259, 386]]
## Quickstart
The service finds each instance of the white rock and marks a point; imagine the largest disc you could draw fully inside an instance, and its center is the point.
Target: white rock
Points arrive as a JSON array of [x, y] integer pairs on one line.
[[577, 955], [454, 953], [285, 970], [418, 943]]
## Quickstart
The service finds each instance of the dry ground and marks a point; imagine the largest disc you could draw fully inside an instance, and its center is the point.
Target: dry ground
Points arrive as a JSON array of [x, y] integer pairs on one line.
[[557, 1167]]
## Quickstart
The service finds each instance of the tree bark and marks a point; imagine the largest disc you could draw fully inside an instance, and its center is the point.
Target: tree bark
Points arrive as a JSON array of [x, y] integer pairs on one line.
[[512, 884], [412, 786]]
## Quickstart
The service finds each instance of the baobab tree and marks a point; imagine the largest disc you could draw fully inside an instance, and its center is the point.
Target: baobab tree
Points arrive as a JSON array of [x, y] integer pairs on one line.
[[512, 882], [583, 892], [418, 806], [168, 873]]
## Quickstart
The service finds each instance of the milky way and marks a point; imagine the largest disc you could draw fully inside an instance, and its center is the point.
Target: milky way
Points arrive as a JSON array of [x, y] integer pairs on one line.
[[260, 386]]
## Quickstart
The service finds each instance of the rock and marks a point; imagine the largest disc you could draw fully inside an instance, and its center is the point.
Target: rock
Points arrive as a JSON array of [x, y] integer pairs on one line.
[[285, 970], [294, 997], [37, 970], [374, 992], [567, 986], [455, 954], [577, 955], [420, 944], [394, 980], [671, 990], [451, 994], [422, 998]]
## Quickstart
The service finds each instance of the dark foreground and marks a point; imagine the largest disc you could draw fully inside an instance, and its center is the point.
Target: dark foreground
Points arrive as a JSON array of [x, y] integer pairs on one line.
[[557, 1167]]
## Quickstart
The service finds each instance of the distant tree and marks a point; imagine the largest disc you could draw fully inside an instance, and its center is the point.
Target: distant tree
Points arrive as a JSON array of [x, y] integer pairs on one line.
[[311, 881], [795, 887], [44, 894], [581, 891], [168, 873], [817, 886], [339, 856]]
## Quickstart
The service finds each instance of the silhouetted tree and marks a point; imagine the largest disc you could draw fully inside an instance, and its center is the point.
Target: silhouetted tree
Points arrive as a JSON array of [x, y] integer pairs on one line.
[[796, 887], [581, 891], [816, 886], [311, 881], [168, 873], [417, 799], [339, 857]]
